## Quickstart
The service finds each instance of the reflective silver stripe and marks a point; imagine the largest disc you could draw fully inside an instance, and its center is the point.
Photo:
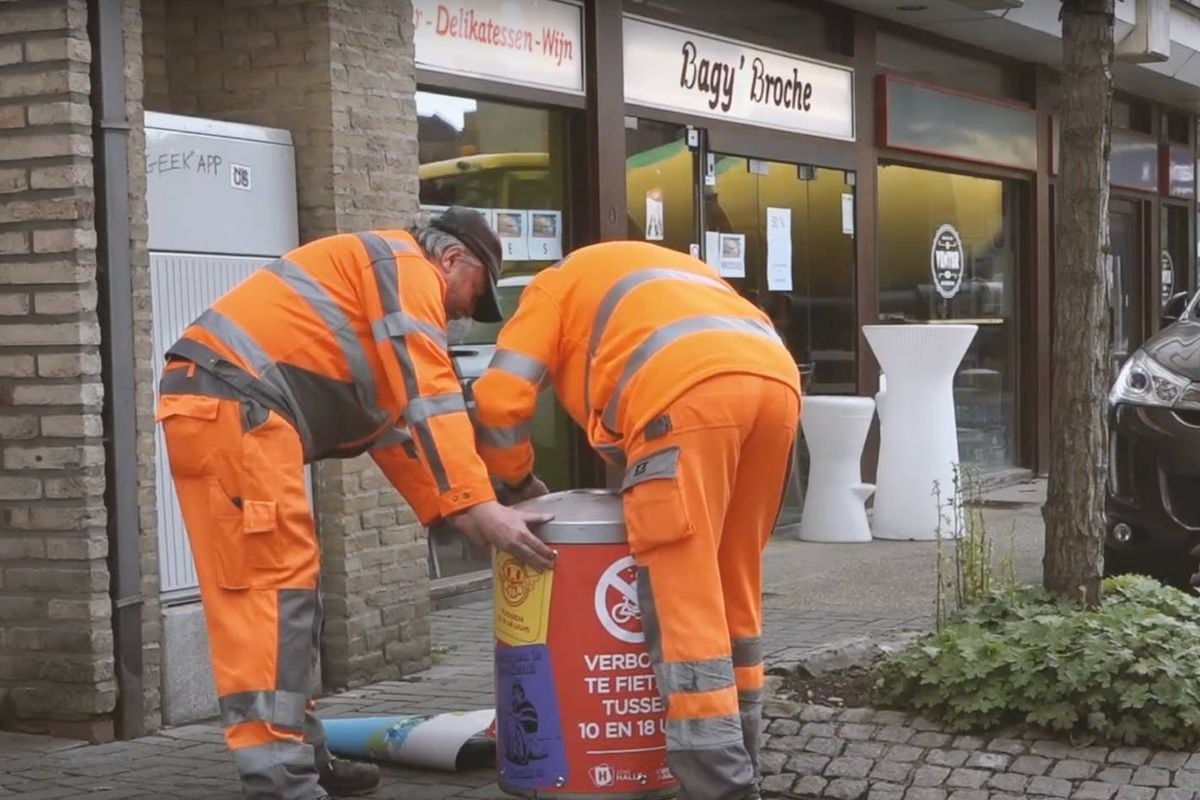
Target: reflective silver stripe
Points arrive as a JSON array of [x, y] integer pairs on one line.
[[695, 676], [669, 334], [396, 244], [240, 342], [399, 324], [613, 297], [520, 365], [704, 734], [295, 657], [419, 409], [387, 281], [663, 464], [279, 709], [283, 768], [504, 437], [613, 453], [338, 324], [747, 652]]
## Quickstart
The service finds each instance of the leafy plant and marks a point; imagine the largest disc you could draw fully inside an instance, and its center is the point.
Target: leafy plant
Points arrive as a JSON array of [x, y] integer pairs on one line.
[[1123, 672], [973, 573]]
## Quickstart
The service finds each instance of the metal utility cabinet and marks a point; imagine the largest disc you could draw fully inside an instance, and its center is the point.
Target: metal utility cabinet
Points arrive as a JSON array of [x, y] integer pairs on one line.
[[222, 202]]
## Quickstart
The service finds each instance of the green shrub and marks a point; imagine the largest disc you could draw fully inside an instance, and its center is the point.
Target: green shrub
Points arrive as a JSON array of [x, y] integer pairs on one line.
[[1128, 671]]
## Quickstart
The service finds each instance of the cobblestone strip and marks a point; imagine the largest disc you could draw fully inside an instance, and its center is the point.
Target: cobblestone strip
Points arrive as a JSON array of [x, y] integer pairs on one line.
[[860, 754]]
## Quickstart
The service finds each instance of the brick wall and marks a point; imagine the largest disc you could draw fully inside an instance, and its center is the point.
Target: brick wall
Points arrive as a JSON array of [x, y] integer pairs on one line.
[[338, 74], [154, 53], [56, 661]]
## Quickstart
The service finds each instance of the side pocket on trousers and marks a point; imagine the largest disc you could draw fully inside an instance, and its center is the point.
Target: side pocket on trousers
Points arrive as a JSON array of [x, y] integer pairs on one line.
[[230, 554], [655, 513]]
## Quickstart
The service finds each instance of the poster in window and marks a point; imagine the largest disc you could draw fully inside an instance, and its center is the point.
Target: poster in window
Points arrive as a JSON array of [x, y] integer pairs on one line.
[[512, 226], [654, 215], [545, 235], [946, 261], [733, 255], [779, 249]]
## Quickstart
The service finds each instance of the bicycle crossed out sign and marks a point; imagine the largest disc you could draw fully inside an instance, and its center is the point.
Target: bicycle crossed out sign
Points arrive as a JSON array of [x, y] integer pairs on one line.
[[616, 602]]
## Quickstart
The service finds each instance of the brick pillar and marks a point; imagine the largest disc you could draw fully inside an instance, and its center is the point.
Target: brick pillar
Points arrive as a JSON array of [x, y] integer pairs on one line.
[[143, 352], [339, 75], [56, 648]]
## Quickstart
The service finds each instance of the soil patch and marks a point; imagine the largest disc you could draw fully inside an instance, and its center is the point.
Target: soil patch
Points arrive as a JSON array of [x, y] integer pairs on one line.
[[853, 687]]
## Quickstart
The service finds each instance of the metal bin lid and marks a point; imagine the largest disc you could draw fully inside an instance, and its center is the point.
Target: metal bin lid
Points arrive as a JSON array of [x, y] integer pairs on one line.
[[581, 516]]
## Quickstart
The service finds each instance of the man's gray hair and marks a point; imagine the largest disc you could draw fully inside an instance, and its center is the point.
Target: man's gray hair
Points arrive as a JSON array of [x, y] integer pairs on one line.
[[434, 242]]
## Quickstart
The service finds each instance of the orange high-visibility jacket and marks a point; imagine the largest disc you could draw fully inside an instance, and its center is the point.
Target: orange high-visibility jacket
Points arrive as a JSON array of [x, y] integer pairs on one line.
[[620, 330], [345, 337]]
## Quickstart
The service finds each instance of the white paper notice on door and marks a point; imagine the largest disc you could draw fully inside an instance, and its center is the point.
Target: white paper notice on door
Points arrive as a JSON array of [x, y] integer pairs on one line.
[[512, 227], [733, 255], [545, 235], [848, 214], [779, 249], [654, 216]]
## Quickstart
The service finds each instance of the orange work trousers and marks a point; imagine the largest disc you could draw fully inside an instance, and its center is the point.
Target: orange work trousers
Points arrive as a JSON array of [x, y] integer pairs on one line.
[[701, 497], [238, 471]]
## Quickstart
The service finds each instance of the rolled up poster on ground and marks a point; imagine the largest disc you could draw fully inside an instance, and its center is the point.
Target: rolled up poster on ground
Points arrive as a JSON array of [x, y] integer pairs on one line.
[[454, 741]]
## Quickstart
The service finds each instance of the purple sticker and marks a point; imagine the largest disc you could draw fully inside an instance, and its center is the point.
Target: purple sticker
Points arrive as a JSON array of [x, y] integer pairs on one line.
[[529, 743]]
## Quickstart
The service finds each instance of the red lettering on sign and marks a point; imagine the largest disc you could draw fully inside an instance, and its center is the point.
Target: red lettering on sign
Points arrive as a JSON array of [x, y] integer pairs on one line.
[[465, 24]]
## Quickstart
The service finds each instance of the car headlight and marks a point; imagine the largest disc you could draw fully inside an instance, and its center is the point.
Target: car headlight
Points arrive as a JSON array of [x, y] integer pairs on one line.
[[1144, 382]]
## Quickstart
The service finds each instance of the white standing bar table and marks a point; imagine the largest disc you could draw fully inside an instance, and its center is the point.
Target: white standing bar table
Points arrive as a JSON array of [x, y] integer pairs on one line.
[[835, 430], [918, 434]]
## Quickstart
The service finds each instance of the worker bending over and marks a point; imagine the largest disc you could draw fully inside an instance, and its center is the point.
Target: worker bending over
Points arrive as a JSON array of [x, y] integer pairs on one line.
[[335, 349], [685, 385]]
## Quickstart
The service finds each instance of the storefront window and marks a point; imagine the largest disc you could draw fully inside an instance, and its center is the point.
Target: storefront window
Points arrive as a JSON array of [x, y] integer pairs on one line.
[[918, 209], [510, 162]]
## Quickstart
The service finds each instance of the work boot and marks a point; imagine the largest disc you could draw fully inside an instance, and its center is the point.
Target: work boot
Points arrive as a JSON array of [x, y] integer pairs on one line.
[[342, 778]]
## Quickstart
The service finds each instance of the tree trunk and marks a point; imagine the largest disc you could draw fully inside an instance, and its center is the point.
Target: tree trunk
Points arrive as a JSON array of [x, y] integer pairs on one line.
[[1074, 511]]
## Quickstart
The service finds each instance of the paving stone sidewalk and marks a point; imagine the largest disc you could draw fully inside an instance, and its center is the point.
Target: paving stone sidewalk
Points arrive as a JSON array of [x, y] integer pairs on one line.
[[191, 762], [816, 595], [855, 754]]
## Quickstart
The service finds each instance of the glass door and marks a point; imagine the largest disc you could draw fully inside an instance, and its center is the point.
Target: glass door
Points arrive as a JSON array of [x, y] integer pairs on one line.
[[783, 235], [1125, 261], [660, 183]]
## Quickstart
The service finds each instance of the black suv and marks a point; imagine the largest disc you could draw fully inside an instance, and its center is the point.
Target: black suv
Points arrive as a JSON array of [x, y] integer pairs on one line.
[[1153, 500]]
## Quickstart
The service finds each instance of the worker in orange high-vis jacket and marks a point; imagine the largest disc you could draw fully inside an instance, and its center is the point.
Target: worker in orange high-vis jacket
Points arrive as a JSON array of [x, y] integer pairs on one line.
[[335, 349], [686, 386]]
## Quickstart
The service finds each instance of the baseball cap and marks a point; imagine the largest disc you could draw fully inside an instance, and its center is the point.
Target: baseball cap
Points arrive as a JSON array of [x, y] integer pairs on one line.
[[470, 228]]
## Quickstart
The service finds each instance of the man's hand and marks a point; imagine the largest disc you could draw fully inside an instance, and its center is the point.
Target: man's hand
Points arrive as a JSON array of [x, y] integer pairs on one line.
[[507, 530]]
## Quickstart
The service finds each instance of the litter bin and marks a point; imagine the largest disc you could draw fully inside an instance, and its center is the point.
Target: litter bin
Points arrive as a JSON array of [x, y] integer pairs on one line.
[[578, 713]]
